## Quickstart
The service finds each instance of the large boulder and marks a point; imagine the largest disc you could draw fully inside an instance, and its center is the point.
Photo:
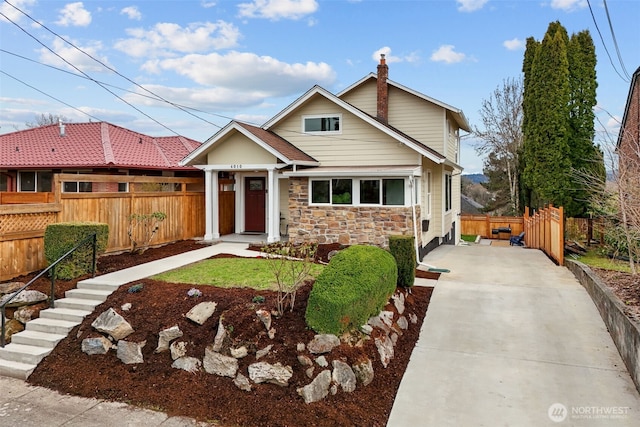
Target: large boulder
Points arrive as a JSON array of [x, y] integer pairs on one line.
[[343, 375], [202, 312], [166, 336], [189, 364], [29, 312], [130, 352], [263, 372], [24, 298], [111, 323], [218, 364], [323, 343], [318, 389], [363, 370], [96, 345]]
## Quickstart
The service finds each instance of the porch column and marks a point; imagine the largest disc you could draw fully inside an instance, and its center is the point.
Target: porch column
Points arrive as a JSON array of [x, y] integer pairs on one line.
[[273, 224], [212, 228]]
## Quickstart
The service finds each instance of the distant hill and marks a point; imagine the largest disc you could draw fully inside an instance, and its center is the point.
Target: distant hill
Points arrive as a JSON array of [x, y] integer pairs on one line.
[[476, 178]]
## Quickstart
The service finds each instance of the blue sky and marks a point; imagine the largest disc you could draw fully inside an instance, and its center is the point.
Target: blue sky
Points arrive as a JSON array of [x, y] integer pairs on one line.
[[222, 60]]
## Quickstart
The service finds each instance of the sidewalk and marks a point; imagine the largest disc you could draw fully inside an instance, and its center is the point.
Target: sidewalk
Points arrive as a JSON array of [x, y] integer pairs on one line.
[[24, 405], [511, 339]]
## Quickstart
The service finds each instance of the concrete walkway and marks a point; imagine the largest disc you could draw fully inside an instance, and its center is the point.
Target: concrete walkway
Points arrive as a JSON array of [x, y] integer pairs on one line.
[[24, 405], [511, 339]]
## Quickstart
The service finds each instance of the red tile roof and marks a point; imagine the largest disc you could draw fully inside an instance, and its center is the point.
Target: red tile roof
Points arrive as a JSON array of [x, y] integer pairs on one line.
[[94, 144]]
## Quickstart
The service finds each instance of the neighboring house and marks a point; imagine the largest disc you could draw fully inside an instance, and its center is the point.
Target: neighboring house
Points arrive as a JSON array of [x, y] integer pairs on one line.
[[29, 158], [628, 146], [374, 160]]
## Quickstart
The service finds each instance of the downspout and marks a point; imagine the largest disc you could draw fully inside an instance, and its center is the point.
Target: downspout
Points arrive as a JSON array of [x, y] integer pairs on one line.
[[415, 231]]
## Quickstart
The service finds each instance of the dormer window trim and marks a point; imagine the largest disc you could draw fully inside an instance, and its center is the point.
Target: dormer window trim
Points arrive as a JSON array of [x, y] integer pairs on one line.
[[322, 124]]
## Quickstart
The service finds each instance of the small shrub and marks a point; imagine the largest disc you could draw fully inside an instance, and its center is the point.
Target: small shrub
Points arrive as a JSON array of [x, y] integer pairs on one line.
[[61, 237], [142, 228], [402, 249], [194, 293], [135, 288], [258, 299], [356, 285]]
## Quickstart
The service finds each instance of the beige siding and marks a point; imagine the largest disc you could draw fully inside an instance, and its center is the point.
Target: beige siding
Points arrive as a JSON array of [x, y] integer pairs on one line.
[[238, 149], [437, 200], [364, 97], [359, 144]]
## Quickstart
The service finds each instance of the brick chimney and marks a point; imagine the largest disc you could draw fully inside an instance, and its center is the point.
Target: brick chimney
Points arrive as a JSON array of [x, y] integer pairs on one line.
[[383, 90]]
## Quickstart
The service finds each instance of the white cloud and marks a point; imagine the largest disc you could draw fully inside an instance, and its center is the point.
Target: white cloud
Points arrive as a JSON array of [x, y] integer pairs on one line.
[[74, 14], [389, 58], [249, 75], [12, 13], [447, 54], [74, 56], [207, 4], [568, 5], [165, 39], [470, 5], [277, 9], [132, 12], [514, 44]]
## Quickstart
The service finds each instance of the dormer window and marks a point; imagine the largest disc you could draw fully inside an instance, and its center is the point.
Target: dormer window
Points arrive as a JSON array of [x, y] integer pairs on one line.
[[329, 123]]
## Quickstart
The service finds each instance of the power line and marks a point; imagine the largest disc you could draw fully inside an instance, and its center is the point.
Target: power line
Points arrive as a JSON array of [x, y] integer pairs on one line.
[[603, 43], [615, 42], [86, 75], [50, 96]]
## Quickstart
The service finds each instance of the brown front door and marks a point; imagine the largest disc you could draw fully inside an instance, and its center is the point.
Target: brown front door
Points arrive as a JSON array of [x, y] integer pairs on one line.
[[226, 206], [254, 204]]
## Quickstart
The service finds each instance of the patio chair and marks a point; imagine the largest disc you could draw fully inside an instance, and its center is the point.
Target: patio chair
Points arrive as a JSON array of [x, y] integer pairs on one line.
[[517, 240]]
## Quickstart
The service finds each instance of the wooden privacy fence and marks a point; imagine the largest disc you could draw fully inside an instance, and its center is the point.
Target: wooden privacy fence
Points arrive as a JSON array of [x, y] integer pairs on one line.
[[545, 230], [484, 225], [22, 226]]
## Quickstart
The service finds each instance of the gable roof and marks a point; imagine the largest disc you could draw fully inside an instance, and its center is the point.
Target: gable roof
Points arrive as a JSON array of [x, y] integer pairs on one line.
[[635, 85], [269, 141], [92, 145], [459, 116], [389, 130]]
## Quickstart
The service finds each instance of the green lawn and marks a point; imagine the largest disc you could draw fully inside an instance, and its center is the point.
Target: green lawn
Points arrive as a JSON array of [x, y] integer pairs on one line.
[[469, 238], [594, 259], [228, 273]]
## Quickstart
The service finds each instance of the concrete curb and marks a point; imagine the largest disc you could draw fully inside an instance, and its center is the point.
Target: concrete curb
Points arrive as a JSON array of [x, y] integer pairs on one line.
[[624, 331]]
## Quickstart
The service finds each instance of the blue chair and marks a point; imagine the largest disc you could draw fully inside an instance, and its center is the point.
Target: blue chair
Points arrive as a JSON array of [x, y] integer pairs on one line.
[[517, 240]]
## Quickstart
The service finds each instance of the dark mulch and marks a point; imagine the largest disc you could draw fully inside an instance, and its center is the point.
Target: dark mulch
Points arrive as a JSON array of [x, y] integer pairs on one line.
[[155, 384]]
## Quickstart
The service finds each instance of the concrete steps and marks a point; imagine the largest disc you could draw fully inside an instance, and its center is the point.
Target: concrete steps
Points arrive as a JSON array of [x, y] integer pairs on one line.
[[27, 348]]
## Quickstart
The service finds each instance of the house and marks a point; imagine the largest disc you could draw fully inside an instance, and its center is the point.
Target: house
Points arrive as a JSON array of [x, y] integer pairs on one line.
[[29, 158], [628, 144], [376, 159]]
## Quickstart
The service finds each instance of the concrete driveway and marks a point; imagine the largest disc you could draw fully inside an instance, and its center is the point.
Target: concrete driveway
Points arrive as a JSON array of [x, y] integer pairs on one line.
[[511, 339]]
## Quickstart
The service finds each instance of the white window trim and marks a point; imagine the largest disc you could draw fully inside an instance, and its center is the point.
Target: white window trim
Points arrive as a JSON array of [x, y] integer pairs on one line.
[[448, 177], [355, 187], [321, 116], [428, 193]]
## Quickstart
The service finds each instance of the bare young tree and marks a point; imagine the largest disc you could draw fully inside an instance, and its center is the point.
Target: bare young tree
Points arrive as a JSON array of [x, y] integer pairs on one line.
[[501, 135], [46, 119]]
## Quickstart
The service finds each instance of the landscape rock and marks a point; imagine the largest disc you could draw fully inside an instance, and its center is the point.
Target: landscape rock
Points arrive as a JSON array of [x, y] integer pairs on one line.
[[189, 364], [300, 347], [272, 333], [304, 360], [242, 382], [24, 298], [166, 336], [413, 318], [363, 371], [111, 323], [218, 364], [309, 372], [10, 287], [178, 349], [394, 338], [366, 329], [96, 345], [377, 322], [261, 353], [126, 306], [29, 312], [322, 361], [239, 352], [265, 318], [221, 335], [386, 317], [344, 376], [385, 349], [402, 323], [202, 312], [398, 302], [323, 343], [130, 352], [261, 372], [333, 389], [11, 327], [318, 389]]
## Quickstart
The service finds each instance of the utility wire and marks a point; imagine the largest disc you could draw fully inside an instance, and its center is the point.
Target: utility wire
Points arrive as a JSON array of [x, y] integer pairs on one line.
[[154, 95], [89, 77], [603, 43], [615, 42], [50, 96]]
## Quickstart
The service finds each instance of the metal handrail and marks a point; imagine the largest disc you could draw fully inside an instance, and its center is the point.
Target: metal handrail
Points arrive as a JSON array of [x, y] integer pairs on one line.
[[93, 238]]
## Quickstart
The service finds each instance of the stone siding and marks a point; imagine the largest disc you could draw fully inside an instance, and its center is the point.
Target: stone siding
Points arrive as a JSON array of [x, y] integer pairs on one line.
[[347, 225]]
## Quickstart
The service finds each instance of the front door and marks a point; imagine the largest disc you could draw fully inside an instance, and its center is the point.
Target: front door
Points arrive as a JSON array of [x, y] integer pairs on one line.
[[254, 204]]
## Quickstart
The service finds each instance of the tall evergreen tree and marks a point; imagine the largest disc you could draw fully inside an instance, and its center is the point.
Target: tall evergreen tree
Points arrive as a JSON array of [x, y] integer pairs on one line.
[[558, 124]]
